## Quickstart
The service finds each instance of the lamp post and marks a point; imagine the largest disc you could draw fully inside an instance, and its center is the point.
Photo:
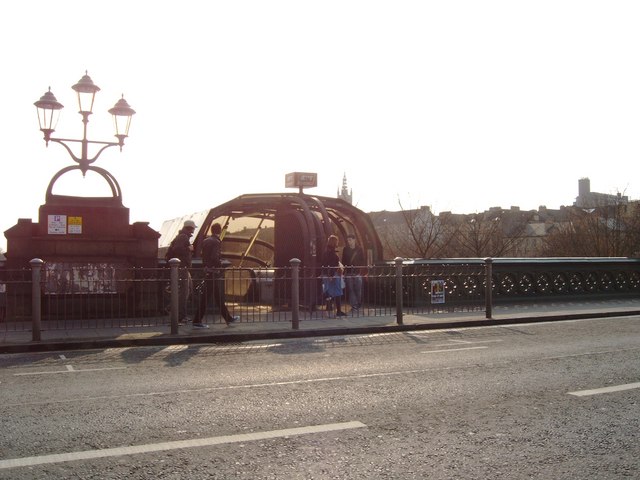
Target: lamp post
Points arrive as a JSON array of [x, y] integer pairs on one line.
[[49, 108]]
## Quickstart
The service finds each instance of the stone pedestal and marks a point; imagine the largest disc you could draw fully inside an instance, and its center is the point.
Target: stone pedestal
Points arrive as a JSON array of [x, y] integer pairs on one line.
[[92, 260], [82, 230]]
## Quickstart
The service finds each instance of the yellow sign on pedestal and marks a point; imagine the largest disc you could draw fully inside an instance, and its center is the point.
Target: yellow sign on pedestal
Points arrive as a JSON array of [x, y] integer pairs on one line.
[[74, 225]]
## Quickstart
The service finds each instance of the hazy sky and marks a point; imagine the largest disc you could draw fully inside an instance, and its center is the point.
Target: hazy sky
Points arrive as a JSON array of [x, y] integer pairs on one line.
[[460, 105]]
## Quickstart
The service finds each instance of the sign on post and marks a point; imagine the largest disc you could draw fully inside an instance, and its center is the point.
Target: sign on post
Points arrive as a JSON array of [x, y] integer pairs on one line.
[[437, 291], [300, 180]]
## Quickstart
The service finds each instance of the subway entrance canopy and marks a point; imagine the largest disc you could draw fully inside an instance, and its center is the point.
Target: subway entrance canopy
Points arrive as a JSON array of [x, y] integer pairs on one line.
[[270, 229]]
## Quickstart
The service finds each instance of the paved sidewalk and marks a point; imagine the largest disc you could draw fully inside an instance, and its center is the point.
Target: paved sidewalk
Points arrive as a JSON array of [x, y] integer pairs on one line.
[[20, 341]]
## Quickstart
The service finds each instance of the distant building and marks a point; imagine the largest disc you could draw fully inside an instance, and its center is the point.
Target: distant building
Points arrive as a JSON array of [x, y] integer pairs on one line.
[[344, 193], [523, 232], [588, 199]]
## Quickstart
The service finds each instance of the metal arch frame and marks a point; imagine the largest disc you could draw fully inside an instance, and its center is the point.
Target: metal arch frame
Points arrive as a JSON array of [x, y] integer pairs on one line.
[[258, 205], [362, 225], [319, 213], [109, 178]]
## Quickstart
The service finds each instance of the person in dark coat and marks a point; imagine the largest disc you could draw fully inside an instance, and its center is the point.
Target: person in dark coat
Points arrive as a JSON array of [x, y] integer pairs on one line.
[[214, 278], [354, 262], [182, 249]]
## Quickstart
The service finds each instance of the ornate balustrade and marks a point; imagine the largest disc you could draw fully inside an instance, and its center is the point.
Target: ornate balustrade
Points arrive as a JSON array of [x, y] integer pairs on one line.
[[518, 279]]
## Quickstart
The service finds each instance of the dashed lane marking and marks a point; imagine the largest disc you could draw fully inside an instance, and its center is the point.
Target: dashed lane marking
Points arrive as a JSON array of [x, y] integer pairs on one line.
[[69, 369], [459, 342], [164, 446], [454, 349], [597, 391]]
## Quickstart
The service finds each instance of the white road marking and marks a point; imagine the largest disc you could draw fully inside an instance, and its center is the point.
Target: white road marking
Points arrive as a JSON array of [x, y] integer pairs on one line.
[[458, 342], [62, 357], [291, 382], [453, 349], [597, 391], [69, 369], [226, 387], [159, 447]]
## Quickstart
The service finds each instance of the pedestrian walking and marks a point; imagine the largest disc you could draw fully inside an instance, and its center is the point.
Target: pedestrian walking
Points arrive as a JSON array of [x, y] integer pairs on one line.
[[214, 279], [182, 249]]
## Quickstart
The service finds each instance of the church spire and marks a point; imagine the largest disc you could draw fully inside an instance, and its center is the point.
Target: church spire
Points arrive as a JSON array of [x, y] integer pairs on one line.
[[344, 193]]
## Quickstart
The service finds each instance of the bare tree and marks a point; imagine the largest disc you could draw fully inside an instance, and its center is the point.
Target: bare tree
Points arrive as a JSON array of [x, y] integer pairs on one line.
[[415, 233], [608, 230], [602, 231], [428, 234], [494, 233], [633, 230]]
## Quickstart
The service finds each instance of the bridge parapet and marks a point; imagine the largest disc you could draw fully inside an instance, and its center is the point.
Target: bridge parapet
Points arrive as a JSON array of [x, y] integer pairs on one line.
[[526, 279]]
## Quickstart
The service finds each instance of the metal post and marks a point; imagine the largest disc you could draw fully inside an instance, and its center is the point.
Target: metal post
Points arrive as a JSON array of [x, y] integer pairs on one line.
[[295, 293], [36, 299], [488, 291], [174, 264], [399, 261]]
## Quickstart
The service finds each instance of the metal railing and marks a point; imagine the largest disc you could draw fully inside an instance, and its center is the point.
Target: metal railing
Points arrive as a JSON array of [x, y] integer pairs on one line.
[[66, 297]]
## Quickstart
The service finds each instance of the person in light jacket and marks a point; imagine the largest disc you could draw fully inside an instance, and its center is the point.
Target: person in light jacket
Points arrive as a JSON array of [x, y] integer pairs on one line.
[[332, 277]]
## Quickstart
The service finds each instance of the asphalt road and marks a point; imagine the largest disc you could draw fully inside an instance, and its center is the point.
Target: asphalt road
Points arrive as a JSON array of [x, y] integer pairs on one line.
[[551, 400]]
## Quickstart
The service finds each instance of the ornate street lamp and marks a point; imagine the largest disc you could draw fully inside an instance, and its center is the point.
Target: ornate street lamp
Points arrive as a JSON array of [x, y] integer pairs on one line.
[[49, 108]]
